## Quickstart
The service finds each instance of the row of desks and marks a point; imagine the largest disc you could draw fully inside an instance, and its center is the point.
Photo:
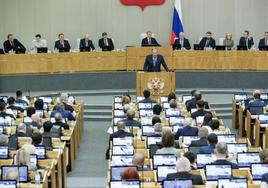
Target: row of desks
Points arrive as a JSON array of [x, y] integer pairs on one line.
[[132, 60]]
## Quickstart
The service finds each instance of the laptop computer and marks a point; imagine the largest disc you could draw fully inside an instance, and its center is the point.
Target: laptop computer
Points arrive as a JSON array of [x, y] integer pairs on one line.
[[220, 48], [125, 184], [20, 51], [3, 152], [177, 183], [258, 169], [164, 170], [22, 172], [8, 184], [233, 182], [164, 159], [241, 48], [42, 50], [214, 172], [116, 171], [247, 158], [198, 47]]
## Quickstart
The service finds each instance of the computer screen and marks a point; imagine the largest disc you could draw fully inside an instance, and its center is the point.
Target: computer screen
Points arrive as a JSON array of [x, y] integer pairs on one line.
[[164, 159], [4, 98], [117, 119], [40, 151], [264, 96], [146, 112], [204, 159], [214, 172], [119, 113], [46, 99], [123, 141], [8, 183], [263, 118], [172, 113], [121, 160], [146, 121], [177, 183], [3, 152], [165, 105], [125, 184], [163, 99], [237, 148], [116, 171], [234, 183], [176, 120], [123, 150], [186, 98], [240, 97], [245, 159], [257, 170], [163, 171], [145, 105], [153, 140], [117, 99], [21, 170], [118, 106], [188, 139], [147, 130], [199, 120], [227, 138]]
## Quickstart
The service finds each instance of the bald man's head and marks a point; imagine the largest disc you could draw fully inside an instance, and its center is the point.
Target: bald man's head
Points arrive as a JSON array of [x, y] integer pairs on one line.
[[138, 159], [58, 117], [121, 125]]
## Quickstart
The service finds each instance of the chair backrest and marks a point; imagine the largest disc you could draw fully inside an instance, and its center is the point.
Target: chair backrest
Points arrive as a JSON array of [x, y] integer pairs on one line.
[[221, 41], [144, 35]]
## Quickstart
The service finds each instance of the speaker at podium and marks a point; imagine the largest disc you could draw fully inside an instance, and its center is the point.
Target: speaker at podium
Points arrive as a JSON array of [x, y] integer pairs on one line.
[[159, 83]]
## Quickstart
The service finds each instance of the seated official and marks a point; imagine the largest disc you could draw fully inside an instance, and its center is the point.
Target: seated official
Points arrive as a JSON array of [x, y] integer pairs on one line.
[[264, 41], [215, 127], [212, 141], [39, 104], [12, 105], [62, 45], [139, 160], [155, 120], [59, 122], [149, 40], [129, 121], [193, 94], [206, 122], [23, 158], [172, 95], [130, 173], [59, 108], [246, 40], [158, 129], [221, 153], [50, 131], [20, 99], [38, 43], [12, 44], [154, 61], [184, 172], [24, 131], [207, 41], [203, 134], [168, 143], [86, 44], [121, 133], [37, 139], [187, 130], [173, 104], [256, 105], [228, 41], [147, 94], [64, 100], [200, 105], [192, 158], [157, 110], [190, 104], [3, 112], [35, 121], [105, 43], [3, 140], [181, 43]]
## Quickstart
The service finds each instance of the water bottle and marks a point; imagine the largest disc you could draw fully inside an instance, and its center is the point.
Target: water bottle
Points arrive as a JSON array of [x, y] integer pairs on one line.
[[37, 178]]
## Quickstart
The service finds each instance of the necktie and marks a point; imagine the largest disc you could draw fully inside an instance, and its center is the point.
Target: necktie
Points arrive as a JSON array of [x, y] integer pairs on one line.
[[154, 61]]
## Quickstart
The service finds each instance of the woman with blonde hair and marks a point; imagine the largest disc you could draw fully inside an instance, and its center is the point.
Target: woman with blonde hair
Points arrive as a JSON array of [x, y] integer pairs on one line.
[[228, 41]]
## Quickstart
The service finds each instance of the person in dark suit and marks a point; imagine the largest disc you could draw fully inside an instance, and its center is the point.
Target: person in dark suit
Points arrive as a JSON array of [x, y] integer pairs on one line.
[[221, 153], [59, 122], [212, 141], [121, 133], [147, 94], [86, 44], [12, 44], [265, 178], [149, 40], [246, 40], [192, 103], [65, 114], [154, 61], [200, 110], [187, 130], [129, 121], [181, 43], [207, 41], [3, 112], [203, 134], [22, 130], [184, 172], [62, 44], [256, 105], [12, 106], [36, 121], [21, 99], [50, 130], [192, 157], [105, 43], [264, 41], [139, 161], [193, 93]]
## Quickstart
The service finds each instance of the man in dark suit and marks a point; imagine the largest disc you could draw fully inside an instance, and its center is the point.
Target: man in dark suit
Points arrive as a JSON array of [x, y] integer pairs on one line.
[[20, 98], [86, 44], [50, 130], [12, 106], [149, 40], [203, 134], [184, 172], [256, 105], [265, 178], [181, 43], [221, 152], [246, 40], [207, 41], [264, 41], [105, 43], [147, 94], [59, 121], [62, 45], [65, 114], [190, 104], [212, 141], [187, 130], [121, 133], [12, 44], [3, 112], [154, 61], [129, 121], [193, 93], [200, 105]]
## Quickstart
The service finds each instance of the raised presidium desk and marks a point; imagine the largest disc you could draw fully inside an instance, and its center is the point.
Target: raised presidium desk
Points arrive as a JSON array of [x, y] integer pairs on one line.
[[132, 59]]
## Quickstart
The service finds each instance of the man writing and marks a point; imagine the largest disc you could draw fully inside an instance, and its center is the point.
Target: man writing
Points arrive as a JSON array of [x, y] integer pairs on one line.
[[154, 61]]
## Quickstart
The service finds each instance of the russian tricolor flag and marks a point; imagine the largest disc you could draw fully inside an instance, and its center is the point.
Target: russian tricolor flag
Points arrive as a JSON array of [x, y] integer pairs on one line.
[[177, 25]]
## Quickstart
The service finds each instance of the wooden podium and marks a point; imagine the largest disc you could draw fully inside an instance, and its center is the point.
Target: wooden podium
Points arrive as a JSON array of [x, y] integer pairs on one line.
[[159, 83]]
